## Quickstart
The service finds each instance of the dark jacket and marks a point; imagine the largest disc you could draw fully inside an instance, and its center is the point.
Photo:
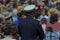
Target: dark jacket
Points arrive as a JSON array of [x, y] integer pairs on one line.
[[29, 29]]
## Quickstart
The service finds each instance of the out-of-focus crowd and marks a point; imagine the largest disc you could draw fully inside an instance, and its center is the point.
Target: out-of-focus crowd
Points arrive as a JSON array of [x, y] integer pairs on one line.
[[46, 12]]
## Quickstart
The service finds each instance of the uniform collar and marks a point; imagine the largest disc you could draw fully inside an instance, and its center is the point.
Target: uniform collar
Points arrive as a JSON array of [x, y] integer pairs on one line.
[[28, 17]]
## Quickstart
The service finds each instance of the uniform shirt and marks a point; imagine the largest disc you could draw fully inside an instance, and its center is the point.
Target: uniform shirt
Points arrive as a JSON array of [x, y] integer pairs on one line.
[[29, 29]]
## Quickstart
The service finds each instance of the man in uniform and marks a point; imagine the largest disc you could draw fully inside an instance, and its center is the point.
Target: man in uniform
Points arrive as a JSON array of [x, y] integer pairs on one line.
[[29, 28]]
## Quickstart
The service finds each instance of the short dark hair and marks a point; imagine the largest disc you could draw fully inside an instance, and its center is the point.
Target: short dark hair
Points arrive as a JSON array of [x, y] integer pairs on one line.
[[37, 15], [44, 19], [49, 29], [53, 18]]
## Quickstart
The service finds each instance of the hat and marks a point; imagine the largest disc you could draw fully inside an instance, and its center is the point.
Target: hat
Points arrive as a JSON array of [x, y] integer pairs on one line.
[[7, 15], [29, 8]]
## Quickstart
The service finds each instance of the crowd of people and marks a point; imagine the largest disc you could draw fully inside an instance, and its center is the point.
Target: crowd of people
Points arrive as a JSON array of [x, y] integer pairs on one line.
[[16, 21]]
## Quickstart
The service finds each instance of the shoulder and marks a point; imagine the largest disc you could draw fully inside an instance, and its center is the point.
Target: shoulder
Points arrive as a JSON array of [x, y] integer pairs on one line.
[[48, 24], [34, 20], [54, 34]]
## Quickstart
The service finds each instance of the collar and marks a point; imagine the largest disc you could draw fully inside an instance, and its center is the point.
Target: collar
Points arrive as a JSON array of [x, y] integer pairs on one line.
[[28, 17]]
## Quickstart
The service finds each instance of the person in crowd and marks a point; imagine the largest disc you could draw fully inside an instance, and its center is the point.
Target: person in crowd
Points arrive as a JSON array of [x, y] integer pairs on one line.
[[10, 3], [10, 8], [53, 18], [50, 35], [27, 24], [20, 7], [14, 15], [37, 17], [40, 2], [49, 5], [29, 28], [14, 11], [4, 2], [46, 2], [54, 23], [44, 16], [41, 7], [58, 34], [5, 13], [43, 24], [21, 16], [58, 5], [52, 10], [4, 10], [52, 1]]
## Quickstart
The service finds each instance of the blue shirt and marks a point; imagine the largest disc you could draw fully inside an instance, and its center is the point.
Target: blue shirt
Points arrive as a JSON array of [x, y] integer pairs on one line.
[[47, 18], [51, 36], [15, 19]]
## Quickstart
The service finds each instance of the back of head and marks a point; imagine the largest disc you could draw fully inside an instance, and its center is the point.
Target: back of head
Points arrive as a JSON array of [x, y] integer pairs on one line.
[[43, 20], [53, 18], [49, 29], [29, 9], [37, 15]]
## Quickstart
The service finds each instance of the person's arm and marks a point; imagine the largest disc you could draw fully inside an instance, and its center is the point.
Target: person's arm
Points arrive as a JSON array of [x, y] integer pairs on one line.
[[40, 32]]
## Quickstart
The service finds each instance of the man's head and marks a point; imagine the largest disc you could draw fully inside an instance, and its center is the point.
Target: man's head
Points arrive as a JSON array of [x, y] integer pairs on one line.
[[49, 29], [37, 16], [43, 20], [31, 13], [29, 10]]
